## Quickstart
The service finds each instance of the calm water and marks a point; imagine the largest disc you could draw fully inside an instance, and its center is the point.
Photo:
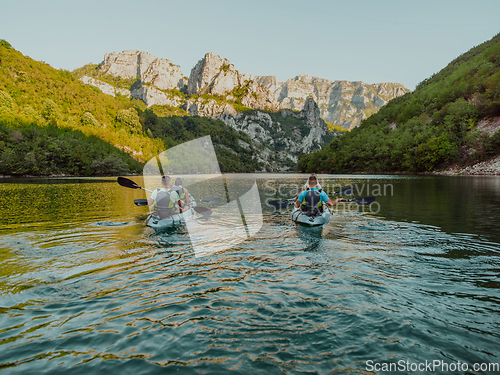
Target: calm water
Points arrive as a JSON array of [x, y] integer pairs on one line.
[[86, 288]]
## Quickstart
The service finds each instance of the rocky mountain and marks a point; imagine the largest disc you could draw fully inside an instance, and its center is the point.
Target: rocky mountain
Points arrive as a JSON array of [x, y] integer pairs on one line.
[[160, 73], [341, 103], [282, 136], [216, 76], [215, 88]]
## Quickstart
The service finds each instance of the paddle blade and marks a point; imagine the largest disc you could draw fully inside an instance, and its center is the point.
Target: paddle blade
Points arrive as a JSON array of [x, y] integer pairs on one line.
[[210, 200], [203, 211], [141, 202], [125, 182], [365, 200], [279, 204], [346, 191]]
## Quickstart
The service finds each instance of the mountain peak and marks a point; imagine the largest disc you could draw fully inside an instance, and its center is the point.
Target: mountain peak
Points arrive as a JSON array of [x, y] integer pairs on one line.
[[305, 77], [341, 102]]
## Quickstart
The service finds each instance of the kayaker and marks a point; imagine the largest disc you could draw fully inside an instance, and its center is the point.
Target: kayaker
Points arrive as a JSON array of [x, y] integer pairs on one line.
[[164, 199], [311, 199], [307, 185], [181, 191]]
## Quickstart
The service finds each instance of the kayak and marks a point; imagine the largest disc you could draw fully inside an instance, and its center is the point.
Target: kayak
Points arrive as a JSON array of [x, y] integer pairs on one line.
[[174, 221], [320, 219]]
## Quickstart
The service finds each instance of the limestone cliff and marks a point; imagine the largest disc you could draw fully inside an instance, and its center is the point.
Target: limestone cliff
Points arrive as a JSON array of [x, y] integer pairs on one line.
[[155, 76], [104, 87], [126, 64], [280, 140], [216, 76], [341, 103], [215, 87], [208, 107]]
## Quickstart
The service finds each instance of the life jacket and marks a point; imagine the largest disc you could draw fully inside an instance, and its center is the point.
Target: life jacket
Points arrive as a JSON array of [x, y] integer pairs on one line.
[[312, 204], [180, 191], [164, 207]]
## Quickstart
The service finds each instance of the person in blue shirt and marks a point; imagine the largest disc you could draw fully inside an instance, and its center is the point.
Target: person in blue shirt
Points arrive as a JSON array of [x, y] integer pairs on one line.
[[306, 185], [312, 199]]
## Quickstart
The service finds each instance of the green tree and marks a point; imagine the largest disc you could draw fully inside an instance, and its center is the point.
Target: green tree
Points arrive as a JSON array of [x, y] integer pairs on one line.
[[130, 118], [111, 165], [50, 111], [88, 119], [6, 100]]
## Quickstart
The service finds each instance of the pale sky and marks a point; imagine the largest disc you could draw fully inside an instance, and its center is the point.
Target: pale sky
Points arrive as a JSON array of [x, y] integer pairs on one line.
[[356, 40]]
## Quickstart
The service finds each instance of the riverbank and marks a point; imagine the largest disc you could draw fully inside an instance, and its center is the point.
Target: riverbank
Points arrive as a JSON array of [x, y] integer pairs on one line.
[[485, 168], [488, 167]]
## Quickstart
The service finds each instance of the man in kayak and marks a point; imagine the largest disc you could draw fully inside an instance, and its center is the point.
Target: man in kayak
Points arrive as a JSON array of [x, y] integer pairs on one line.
[[164, 199], [312, 199], [312, 176], [181, 191]]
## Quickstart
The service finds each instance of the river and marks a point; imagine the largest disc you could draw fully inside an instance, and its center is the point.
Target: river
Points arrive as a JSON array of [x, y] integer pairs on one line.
[[409, 282]]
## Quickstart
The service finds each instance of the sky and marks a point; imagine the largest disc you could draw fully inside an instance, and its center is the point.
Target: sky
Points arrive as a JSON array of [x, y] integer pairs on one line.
[[372, 41]]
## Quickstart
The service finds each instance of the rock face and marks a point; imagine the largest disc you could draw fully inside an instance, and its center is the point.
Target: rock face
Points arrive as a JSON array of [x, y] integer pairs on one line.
[[154, 76], [279, 144], [164, 75], [341, 102], [151, 95], [209, 108], [159, 81], [105, 87], [212, 74], [126, 64], [216, 76]]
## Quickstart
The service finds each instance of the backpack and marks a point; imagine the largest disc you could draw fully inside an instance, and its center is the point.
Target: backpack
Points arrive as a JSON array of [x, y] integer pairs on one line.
[[180, 192], [164, 206], [312, 204]]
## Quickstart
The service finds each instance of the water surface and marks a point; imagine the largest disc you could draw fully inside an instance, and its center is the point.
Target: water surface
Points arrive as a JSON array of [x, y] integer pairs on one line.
[[86, 288]]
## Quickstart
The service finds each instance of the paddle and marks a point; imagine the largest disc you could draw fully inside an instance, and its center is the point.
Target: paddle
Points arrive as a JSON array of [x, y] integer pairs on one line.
[[130, 184], [201, 210], [364, 200], [280, 204], [346, 191], [143, 202], [208, 200]]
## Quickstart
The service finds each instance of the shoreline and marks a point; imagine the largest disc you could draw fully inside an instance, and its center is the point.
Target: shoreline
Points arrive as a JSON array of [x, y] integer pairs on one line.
[[489, 167]]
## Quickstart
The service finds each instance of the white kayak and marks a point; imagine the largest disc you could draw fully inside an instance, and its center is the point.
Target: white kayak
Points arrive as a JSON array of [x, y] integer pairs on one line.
[[174, 221], [301, 218]]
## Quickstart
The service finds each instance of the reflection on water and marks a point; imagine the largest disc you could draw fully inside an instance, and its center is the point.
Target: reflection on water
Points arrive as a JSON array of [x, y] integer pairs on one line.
[[86, 287]]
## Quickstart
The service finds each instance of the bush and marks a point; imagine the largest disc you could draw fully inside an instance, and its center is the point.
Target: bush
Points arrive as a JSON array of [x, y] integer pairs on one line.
[[130, 118], [6, 100], [50, 110], [31, 115], [5, 44], [88, 119]]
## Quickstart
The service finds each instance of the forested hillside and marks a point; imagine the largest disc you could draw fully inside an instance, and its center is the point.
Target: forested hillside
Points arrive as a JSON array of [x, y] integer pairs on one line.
[[235, 150], [52, 124], [431, 128]]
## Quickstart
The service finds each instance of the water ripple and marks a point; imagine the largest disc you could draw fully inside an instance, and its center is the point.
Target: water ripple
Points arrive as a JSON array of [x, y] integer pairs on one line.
[[113, 296]]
